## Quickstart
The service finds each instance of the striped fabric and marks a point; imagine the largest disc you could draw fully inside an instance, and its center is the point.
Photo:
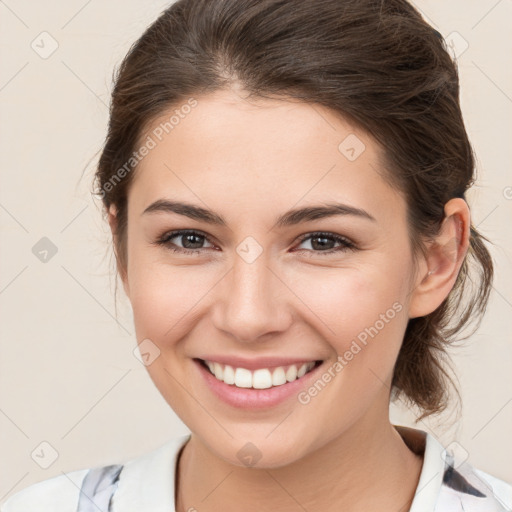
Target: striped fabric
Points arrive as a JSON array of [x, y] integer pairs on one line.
[[461, 490], [98, 488], [146, 483]]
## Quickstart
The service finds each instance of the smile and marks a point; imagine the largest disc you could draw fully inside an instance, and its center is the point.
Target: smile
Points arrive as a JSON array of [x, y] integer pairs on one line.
[[261, 378]]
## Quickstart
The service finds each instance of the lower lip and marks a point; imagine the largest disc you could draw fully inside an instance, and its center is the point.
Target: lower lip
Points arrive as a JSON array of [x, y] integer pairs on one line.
[[249, 398]]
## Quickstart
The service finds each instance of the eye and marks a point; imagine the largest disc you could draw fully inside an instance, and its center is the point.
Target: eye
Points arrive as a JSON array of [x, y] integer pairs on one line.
[[191, 240], [325, 241]]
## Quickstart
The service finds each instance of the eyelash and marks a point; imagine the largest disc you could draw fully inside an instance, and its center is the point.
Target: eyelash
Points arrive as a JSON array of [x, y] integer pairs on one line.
[[347, 245]]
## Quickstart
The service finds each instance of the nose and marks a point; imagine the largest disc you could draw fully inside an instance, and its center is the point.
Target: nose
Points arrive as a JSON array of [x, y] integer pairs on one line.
[[253, 301]]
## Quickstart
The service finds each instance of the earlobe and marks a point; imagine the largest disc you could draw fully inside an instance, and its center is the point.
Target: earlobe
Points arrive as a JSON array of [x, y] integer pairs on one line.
[[112, 222], [112, 218], [126, 287], [443, 259]]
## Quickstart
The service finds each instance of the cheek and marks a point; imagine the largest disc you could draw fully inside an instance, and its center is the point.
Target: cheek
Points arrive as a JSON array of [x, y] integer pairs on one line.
[[160, 294], [362, 316], [165, 300], [361, 312]]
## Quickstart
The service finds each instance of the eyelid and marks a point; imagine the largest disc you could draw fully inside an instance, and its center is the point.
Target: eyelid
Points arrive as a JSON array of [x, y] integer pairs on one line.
[[347, 244], [167, 235], [312, 234]]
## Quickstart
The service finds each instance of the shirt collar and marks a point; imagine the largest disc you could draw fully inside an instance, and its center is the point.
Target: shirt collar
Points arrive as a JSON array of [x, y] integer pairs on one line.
[[147, 482], [432, 471]]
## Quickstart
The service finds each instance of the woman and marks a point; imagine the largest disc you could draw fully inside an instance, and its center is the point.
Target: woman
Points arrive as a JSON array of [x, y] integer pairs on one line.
[[285, 183]]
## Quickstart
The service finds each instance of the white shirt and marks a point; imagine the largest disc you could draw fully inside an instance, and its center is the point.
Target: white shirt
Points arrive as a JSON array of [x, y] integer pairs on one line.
[[146, 484]]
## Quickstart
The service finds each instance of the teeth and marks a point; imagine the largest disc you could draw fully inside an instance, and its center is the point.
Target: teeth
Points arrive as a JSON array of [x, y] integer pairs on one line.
[[217, 370], [243, 378], [278, 377], [229, 375], [259, 379], [291, 373], [302, 371]]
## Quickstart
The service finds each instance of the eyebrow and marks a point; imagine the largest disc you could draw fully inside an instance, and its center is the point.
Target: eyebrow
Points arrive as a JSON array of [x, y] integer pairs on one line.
[[290, 218]]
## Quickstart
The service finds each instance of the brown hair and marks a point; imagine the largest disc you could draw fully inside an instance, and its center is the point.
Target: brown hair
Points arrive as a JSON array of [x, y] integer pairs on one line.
[[376, 63]]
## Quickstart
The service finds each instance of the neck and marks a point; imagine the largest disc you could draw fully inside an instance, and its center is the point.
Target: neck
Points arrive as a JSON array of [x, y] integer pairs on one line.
[[367, 467]]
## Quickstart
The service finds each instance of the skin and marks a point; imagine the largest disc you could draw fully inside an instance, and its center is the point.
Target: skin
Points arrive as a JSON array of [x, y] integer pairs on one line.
[[251, 161]]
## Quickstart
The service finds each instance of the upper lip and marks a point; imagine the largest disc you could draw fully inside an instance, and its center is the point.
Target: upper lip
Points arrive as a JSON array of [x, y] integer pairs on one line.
[[257, 362]]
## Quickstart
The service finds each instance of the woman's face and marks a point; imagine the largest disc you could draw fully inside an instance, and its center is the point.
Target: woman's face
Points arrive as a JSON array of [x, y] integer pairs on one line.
[[257, 288]]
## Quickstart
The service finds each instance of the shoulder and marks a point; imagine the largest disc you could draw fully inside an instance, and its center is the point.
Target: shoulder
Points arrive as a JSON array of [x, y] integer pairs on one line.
[[449, 483], [473, 489], [129, 481], [501, 489], [55, 494]]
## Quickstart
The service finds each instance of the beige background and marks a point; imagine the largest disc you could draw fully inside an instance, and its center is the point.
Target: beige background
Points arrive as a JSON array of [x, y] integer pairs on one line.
[[68, 376]]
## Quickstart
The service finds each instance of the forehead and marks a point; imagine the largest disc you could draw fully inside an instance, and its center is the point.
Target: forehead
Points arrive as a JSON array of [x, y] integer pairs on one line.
[[259, 153]]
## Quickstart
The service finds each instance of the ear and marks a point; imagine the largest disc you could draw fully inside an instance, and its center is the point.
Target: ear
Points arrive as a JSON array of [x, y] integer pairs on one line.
[[112, 221], [444, 256]]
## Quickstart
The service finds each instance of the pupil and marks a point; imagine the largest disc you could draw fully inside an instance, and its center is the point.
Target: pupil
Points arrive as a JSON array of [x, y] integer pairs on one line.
[[322, 244], [191, 237]]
